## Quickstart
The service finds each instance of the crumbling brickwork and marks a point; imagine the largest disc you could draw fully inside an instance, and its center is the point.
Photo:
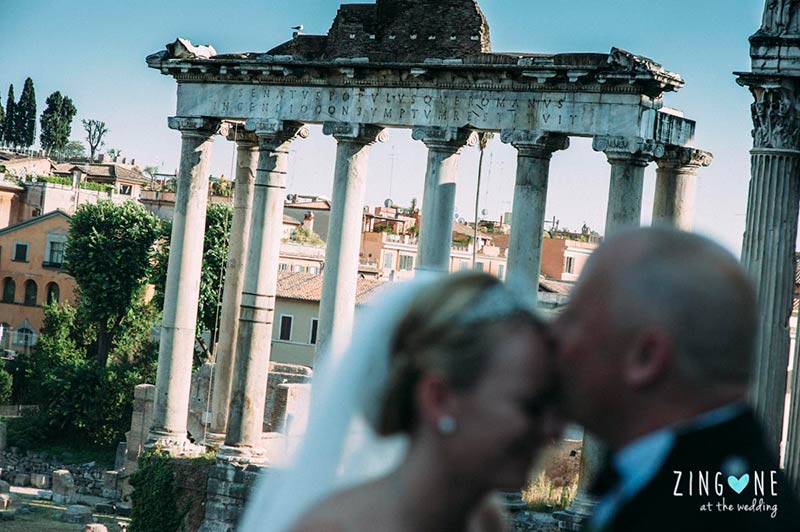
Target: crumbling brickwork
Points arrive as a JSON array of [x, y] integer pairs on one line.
[[399, 30]]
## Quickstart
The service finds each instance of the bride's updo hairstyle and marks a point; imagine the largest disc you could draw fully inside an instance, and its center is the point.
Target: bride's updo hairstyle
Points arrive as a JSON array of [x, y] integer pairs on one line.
[[451, 328]]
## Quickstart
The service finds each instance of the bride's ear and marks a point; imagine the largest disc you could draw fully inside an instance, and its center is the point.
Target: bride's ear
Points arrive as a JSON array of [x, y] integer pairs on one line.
[[433, 398]]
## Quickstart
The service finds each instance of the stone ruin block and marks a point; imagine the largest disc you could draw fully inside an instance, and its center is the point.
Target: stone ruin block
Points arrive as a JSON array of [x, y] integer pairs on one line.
[[283, 401], [111, 485], [5, 487], [77, 513], [40, 480], [5, 501], [22, 480], [95, 527], [8, 515], [63, 487]]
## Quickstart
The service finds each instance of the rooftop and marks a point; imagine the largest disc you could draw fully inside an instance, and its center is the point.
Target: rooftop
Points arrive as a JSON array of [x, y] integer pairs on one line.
[[308, 287]]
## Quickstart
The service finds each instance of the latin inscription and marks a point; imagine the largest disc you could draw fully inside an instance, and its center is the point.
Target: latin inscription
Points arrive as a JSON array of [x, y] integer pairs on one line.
[[403, 107]]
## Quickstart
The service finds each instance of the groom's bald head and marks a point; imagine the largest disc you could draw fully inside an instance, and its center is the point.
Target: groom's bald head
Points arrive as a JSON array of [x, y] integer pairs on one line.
[[660, 315]]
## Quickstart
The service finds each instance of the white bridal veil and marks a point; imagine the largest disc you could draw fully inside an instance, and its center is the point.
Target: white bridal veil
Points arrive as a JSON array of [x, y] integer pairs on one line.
[[340, 448]]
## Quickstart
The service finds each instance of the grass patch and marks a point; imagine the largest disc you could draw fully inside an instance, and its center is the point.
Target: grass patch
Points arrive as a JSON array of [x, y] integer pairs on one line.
[[44, 517], [545, 495]]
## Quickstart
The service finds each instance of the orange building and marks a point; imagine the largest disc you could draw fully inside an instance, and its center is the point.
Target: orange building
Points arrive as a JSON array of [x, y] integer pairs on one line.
[[31, 274]]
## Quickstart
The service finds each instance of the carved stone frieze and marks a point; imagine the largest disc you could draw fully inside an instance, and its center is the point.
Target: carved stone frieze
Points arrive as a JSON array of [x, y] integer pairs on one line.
[[445, 137], [775, 119], [639, 148], [355, 132], [781, 17]]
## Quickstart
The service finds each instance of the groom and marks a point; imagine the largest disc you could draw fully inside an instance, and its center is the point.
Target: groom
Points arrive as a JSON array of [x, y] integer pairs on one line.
[[655, 352]]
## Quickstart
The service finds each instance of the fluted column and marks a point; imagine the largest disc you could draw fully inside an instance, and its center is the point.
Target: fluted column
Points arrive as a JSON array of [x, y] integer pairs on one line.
[[628, 158], [439, 194], [182, 290], [534, 151], [257, 308], [337, 307], [768, 249], [676, 185], [246, 167]]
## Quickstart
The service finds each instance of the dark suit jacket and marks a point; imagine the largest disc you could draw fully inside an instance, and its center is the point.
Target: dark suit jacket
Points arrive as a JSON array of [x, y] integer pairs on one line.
[[656, 508]]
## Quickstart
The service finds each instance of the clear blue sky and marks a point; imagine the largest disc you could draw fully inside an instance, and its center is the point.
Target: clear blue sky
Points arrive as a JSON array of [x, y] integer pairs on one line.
[[93, 51]]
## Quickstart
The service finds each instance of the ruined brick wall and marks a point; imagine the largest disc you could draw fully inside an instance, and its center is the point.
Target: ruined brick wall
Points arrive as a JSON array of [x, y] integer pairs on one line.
[[401, 30]]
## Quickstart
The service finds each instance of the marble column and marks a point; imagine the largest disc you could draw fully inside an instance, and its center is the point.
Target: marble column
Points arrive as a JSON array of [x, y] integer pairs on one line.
[[181, 294], [246, 167], [534, 151], [628, 158], [676, 185], [257, 308], [768, 250], [340, 276], [439, 193]]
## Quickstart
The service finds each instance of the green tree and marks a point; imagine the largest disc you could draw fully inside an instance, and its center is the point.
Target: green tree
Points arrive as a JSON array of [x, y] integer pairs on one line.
[[109, 253], [96, 130], [56, 122], [9, 137], [74, 150], [215, 258], [25, 116], [5, 385]]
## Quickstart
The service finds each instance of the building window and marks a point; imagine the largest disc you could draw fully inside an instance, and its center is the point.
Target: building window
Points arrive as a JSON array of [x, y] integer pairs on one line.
[[313, 338], [501, 271], [9, 290], [24, 336], [53, 293], [406, 262], [313, 269], [388, 260], [283, 267], [286, 328], [479, 266], [569, 266], [464, 265], [21, 252], [297, 268], [56, 256], [125, 189], [31, 293]]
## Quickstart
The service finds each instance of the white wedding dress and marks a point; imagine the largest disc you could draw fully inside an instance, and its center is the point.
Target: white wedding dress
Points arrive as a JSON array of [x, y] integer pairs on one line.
[[339, 449]]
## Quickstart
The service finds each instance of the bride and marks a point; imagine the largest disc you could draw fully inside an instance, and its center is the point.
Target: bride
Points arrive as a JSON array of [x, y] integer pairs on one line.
[[442, 398]]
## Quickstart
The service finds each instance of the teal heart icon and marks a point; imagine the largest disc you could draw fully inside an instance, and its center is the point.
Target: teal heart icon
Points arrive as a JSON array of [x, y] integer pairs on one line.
[[739, 484]]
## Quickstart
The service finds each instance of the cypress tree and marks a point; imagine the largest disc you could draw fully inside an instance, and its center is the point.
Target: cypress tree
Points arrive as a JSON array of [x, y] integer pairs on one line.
[[25, 116], [8, 126], [56, 122], [2, 122]]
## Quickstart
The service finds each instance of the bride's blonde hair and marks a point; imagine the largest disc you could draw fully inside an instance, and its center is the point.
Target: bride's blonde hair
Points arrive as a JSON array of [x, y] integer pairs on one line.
[[451, 329]]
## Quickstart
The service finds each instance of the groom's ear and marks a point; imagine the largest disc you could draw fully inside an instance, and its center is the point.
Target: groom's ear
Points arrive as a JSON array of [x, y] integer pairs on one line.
[[434, 398], [649, 359]]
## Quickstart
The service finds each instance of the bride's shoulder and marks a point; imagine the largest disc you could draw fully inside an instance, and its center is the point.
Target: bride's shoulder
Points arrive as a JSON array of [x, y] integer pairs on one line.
[[338, 513]]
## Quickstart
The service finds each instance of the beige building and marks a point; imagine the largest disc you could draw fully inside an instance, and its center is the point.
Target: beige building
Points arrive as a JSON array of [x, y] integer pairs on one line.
[[20, 165], [294, 335], [31, 274]]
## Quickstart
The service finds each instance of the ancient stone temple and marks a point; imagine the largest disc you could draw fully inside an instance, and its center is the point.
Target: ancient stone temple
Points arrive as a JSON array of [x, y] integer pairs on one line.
[[768, 250], [423, 65]]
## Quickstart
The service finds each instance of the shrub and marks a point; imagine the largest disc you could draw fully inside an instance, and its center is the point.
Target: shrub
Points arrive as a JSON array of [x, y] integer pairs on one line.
[[5, 385]]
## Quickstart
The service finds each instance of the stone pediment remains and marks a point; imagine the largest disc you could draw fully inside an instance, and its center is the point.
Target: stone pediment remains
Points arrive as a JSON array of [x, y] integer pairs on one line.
[[397, 30]]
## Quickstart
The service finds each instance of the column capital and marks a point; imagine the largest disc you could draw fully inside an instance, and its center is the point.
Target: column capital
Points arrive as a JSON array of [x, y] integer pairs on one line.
[[636, 150], [283, 130], [242, 137], [677, 157], [355, 132], [197, 126], [776, 124], [449, 138], [532, 143]]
